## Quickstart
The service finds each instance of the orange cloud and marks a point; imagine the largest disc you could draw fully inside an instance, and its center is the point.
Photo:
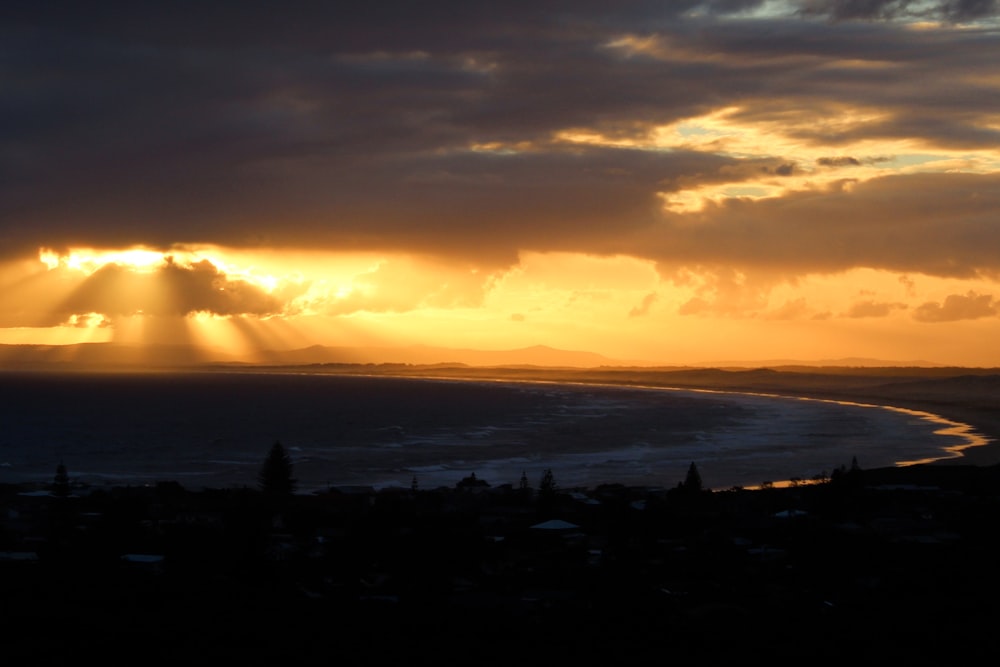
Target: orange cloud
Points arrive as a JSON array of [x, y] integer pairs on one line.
[[403, 284], [970, 306], [643, 308], [790, 310], [873, 309]]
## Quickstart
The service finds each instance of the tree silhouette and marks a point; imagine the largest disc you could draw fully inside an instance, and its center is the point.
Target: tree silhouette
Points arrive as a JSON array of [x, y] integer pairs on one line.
[[547, 487], [547, 491], [692, 482], [60, 483], [61, 514], [843, 476], [275, 476]]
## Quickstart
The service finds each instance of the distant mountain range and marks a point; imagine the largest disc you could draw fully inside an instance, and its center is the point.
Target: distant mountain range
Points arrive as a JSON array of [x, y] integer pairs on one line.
[[158, 356], [93, 355], [538, 355], [845, 362]]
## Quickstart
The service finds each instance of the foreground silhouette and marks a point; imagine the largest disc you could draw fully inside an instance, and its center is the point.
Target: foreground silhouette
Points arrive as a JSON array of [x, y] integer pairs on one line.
[[866, 561]]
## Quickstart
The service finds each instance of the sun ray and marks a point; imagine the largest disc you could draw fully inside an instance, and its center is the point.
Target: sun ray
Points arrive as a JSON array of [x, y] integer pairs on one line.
[[254, 336]]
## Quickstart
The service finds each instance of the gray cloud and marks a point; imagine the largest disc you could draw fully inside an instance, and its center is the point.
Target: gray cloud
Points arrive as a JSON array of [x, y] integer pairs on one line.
[[349, 126], [171, 290], [57, 296], [857, 9], [961, 10], [952, 10]]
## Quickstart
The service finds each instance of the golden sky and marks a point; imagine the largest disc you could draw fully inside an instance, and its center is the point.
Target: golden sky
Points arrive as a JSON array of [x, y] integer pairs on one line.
[[671, 183]]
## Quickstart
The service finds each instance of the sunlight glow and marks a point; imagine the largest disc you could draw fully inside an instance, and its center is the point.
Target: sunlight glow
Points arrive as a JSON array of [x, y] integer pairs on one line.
[[57, 335], [624, 307], [88, 260]]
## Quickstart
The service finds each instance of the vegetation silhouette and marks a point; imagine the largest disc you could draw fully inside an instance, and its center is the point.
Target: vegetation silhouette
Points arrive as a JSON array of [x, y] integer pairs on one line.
[[472, 482], [847, 477], [654, 570], [60, 483], [692, 481], [60, 510], [547, 492], [275, 477], [547, 487], [641, 572]]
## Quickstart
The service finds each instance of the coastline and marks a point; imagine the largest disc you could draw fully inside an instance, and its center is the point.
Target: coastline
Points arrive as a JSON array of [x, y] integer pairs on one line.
[[979, 428], [649, 573], [616, 444], [962, 397], [842, 565], [984, 422], [978, 425]]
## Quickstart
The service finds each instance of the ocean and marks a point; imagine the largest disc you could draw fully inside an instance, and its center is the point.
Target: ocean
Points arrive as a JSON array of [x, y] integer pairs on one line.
[[214, 429]]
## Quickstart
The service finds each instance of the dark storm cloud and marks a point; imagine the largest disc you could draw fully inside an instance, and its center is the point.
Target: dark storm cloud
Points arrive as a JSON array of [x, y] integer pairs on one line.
[[349, 126], [855, 9], [952, 10], [970, 9]]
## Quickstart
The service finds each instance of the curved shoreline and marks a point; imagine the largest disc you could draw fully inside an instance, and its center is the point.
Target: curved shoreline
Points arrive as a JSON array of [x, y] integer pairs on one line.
[[979, 426], [972, 412], [912, 437], [974, 427], [974, 450], [951, 428]]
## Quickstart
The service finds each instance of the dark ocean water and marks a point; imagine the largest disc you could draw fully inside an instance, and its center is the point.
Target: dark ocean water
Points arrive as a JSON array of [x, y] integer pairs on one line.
[[214, 430]]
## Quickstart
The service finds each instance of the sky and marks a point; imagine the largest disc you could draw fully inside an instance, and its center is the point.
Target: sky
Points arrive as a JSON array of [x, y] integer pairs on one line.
[[666, 182]]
